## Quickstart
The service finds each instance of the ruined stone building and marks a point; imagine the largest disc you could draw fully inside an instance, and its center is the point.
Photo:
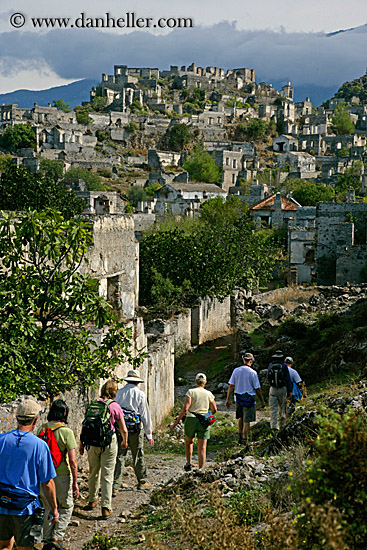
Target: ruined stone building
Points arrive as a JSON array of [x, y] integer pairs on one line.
[[184, 199], [327, 243], [11, 115], [275, 210], [300, 165], [239, 163]]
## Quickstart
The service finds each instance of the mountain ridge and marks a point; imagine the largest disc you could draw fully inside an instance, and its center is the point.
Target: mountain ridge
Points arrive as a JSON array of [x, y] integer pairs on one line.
[[73, 94]]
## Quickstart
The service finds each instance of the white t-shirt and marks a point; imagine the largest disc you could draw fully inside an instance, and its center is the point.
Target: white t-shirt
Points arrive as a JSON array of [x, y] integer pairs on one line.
[[294, 376], [245, 380]]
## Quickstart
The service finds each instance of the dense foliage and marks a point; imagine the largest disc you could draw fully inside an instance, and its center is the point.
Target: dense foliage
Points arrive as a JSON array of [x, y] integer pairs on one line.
[[52, 168], [337, 475], [19, 136], [21, 190], [355, 88], [202, 167], [342, 124], [309, 193], [207, 257], [61, 105], [179, 137], [49, 310], [91, 180], [352, 177]]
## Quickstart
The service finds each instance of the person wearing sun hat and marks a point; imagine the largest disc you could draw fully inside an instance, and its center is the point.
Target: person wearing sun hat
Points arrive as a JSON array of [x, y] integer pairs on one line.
[[132, 399]]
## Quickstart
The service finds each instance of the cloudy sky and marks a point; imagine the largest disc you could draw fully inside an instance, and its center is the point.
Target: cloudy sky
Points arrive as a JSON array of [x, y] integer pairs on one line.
[[281, 39]]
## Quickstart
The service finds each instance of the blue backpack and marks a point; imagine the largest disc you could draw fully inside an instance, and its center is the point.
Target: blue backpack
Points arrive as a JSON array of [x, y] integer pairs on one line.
[[296, 393]]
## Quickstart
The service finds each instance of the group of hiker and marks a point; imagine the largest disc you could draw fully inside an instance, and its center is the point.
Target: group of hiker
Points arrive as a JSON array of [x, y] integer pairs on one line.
[[286, 388], [44, 468], [38, 475]]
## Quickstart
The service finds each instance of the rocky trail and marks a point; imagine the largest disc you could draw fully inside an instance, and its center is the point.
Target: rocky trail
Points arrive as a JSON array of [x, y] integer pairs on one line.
[[161, 467]]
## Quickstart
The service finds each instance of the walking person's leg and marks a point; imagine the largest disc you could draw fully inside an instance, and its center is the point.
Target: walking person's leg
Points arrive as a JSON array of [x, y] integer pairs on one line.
[[273, 405], [94, 460], [120, 463], [108, 461], [202, 452], [282, 407], [65, 505], [137, 450]]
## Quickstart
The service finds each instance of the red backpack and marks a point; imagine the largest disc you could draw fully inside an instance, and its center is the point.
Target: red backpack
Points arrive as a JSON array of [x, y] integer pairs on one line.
[[47, 435]]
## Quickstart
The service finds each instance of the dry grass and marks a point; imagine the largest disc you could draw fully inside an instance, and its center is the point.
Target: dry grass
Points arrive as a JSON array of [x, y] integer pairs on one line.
[[291, 297]]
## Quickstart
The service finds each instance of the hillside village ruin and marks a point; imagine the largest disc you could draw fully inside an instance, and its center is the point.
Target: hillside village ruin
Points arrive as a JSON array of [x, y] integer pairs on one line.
[[141, 106]]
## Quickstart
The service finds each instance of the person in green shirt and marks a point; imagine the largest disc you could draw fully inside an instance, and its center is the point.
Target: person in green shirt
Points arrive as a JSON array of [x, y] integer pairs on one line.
[[66, 481]]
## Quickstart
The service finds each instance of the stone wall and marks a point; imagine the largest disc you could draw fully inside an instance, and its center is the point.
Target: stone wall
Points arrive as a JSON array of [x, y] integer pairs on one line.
[[210, 319], [114, 261]]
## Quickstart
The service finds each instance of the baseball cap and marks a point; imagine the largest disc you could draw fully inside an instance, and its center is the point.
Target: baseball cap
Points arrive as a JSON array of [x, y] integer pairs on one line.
[[288, 360], [247, 356], [28, 409], [200, 377]]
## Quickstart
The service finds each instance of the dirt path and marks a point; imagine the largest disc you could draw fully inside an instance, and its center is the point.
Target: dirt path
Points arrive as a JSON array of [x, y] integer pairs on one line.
[[85, 524], [161, 468]]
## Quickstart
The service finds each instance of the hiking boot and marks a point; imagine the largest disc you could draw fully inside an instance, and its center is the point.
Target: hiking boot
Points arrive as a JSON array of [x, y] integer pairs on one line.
[[144, 485], [114, 493], [106, 513], [91, 505], [188, 467]]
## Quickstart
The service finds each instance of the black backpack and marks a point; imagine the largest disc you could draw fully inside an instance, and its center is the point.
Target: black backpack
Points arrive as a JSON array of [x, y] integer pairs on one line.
[[276, 375], [96, 427]]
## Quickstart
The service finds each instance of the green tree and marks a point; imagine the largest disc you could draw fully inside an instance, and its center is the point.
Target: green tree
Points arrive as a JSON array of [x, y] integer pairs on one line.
[[91, 180], [99, 103], [350, 178], [5, 161], [21, 190], [341, 122], [309, 193], [49, 310], [201, 166], [19, 136], [137, 194], [61, 105], [208, 257], [53, 169], [179, 137], [82, 117]]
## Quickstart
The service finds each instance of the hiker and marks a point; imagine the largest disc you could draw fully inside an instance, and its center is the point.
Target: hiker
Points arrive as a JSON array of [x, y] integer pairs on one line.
[[66, 480], [197, 401], [245, 384], [134, 403], [25, 466], [298, 387], [102, 458], [280, 389]]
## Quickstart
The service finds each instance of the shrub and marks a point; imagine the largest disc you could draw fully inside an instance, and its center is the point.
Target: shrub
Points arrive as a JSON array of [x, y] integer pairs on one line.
[[338, 474]]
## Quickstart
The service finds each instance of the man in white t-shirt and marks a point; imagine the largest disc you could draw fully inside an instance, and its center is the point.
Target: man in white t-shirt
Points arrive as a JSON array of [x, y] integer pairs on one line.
[[245, 384]]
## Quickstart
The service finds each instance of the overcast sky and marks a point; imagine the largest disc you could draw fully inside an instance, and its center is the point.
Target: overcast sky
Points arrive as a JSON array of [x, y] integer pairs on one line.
[[280, 39]]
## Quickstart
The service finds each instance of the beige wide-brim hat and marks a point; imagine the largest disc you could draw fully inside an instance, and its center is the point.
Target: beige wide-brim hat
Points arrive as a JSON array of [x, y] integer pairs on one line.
[[133, 376]]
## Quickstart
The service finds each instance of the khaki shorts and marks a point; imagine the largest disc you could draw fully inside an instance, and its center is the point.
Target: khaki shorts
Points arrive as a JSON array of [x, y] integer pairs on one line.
[[24, 529], [193, 427], [248, 414]]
